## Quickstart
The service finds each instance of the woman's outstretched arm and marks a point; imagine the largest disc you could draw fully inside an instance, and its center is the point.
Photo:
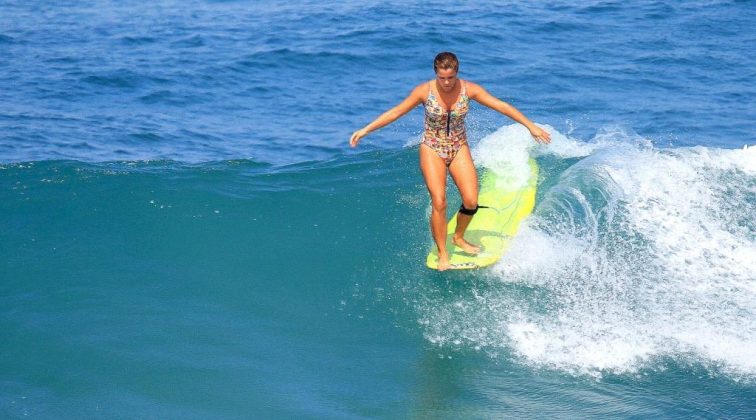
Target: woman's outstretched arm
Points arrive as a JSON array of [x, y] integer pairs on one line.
[[480, 95], [416, 97]]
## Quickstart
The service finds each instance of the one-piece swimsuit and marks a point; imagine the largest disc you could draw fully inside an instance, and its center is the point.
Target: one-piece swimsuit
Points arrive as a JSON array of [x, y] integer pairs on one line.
[[445, 129]]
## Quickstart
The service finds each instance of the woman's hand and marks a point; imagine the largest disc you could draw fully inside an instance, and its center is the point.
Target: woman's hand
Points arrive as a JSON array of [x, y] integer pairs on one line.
[[357, 136], [540, 135]]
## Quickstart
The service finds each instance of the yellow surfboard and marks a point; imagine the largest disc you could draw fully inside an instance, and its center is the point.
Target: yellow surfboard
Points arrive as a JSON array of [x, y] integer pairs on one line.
[[491, 228]]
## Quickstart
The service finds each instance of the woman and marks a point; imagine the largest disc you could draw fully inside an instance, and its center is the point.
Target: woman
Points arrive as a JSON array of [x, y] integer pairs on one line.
[[444, 145]]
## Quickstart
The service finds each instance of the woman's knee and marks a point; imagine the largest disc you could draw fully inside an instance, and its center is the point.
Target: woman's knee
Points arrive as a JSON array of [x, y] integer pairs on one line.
[[438, 203], [470, 203]]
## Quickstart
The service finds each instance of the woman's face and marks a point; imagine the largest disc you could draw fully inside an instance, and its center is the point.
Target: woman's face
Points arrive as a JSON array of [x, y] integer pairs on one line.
[[446, 79]]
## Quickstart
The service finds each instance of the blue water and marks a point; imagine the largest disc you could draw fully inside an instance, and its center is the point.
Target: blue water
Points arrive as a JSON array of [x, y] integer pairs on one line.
[[185, 233]]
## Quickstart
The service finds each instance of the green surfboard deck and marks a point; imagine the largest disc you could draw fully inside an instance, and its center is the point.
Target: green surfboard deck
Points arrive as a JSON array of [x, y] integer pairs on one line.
[[491, 228]]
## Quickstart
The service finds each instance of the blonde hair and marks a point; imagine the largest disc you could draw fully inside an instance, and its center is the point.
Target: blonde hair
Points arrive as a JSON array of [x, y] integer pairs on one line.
[[445, 60]]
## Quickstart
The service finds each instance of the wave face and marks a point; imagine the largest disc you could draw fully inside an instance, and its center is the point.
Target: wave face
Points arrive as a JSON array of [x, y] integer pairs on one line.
[[635, 255]]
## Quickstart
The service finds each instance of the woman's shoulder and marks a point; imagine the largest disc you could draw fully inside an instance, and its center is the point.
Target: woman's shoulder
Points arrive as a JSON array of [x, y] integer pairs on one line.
[[472, 88], [421, 90], [471, 85], [424, 85]]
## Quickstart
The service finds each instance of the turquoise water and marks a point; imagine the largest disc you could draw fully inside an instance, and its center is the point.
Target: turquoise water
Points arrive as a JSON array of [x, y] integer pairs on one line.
[[186, 235]]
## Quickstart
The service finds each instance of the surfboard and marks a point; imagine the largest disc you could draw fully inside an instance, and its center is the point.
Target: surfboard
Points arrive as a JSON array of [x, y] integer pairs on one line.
[[493, 227]]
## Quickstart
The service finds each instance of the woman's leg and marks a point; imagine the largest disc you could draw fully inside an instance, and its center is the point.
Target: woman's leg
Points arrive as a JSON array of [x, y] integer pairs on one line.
[[434, 172], [463, 172]]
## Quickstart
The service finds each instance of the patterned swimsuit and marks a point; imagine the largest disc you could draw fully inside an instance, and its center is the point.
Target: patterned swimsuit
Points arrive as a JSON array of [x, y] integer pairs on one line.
[[445, 130]]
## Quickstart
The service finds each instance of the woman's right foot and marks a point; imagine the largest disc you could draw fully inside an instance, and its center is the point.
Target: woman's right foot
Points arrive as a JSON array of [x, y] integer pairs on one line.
[[443, 262]]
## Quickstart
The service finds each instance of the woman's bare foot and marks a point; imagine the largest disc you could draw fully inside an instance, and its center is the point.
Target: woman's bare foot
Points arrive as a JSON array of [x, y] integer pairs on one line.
[[466, 246], [443, 262]]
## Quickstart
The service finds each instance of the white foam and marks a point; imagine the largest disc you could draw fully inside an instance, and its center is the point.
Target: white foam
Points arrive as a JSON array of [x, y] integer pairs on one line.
[[506, 152], [634, 255]]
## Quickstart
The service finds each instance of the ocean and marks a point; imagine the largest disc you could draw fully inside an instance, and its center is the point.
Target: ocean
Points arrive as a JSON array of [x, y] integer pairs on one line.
[[185, 232]]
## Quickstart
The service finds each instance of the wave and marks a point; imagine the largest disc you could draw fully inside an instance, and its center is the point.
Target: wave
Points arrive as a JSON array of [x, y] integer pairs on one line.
[[634, 255]]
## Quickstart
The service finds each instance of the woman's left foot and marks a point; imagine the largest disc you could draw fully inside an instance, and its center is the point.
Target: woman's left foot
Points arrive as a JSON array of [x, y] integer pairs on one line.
[[466, 246]]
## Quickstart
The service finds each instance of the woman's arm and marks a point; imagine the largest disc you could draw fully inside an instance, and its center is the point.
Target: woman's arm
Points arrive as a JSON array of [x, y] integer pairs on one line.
[[480, 95], [415, 98]]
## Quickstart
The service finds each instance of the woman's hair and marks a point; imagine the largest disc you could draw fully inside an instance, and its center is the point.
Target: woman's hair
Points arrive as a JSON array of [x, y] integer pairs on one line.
[[445, 60]]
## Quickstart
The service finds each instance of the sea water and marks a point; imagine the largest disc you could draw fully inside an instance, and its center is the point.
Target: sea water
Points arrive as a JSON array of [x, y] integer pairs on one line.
[[185, 233]]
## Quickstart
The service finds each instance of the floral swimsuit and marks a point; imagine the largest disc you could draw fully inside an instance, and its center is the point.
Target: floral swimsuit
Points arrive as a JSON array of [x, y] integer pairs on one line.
[[445, 130]]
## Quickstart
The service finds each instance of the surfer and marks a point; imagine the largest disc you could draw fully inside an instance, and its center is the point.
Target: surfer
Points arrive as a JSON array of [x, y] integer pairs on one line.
[[444, 146]]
